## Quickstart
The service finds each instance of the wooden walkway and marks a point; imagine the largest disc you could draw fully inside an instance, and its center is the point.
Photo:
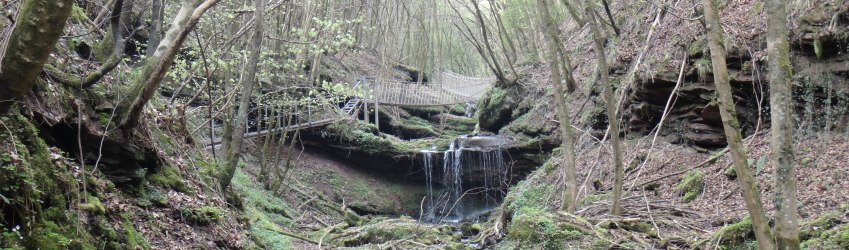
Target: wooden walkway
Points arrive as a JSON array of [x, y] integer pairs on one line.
[[448, 88]]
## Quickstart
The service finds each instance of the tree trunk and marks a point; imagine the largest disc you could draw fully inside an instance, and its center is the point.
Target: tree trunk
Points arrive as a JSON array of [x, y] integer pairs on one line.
[[248, 81], [570, 192], [732, 126], [610, 105], [156, 66], [38, 27], [781, 110], [119, 21], [155, 26]]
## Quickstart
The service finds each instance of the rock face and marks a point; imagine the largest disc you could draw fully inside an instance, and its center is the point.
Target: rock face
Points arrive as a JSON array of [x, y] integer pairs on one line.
[[122, 158], [821, 60], [694, 117]]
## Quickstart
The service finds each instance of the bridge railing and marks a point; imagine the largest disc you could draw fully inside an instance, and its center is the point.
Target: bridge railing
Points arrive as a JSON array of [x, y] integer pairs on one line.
[[449, 88]]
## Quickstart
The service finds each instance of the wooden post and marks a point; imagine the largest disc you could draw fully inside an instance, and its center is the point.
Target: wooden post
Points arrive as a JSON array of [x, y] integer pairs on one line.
[[365, 110], [377, 115]]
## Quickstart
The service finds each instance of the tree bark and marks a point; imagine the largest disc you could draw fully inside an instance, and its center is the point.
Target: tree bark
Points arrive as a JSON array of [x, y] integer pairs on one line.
[[570, 192], [248, 81], [38, 27], [781, 116], [610, 105], [145, 86], [732, 126], [155, 26]]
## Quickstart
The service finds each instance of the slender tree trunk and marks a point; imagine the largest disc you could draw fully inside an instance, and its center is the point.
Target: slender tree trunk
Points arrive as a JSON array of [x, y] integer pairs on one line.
[[610, 16], [610, 105], [22, 56], [570, 192], [155, 26], [732, 126], [119, 23], [248, 82], [488, 46], [156, 66], [781, 110]]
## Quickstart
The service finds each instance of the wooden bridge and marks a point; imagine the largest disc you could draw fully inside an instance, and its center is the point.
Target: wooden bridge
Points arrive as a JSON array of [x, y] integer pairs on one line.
[[448, 88]]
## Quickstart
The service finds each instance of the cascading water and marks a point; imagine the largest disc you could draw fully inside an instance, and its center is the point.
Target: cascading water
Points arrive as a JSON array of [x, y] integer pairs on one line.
[[473, 179]]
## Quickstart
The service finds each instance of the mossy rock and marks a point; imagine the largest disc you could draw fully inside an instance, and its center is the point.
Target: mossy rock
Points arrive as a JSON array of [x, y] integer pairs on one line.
[[735, 235], [495, 109], [691, 185], [816, 228], [203, 216], [532, 227], [168, 177], [93, 206]]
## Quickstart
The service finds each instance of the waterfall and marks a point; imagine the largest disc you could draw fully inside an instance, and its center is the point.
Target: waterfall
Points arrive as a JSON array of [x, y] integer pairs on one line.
[[428, 169], [473, 179]]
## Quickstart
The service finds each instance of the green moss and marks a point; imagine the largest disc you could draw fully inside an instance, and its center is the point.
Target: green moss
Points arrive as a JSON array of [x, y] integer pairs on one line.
[[703, 68], [525, 195], [35, 189], [93, 206], [457, 109], [459, 125], [730, 172], [806, 161], [102, 50], [691, 185], [596, 117], [269, 239], [203, 216], [381, 231], [48, 235], [593, 198], [168, 177], [495, 108], [822, 224], [414, 127], [133, 238], [535, 227], [736, 234], [697, 48]]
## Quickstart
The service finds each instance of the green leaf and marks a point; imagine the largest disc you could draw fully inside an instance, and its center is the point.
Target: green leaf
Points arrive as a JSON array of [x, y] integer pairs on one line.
[[6, 200], [760, 166]]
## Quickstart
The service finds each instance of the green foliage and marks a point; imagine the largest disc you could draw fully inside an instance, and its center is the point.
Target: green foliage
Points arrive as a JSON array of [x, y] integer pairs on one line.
[[818, 48], [78, 14], [691, 185], [703, 68]]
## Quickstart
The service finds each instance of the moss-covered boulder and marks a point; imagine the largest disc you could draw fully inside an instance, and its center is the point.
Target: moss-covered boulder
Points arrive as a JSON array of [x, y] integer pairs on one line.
[[496, 109], [735, 235], [533, 227], [691, 185], [203, 216]]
